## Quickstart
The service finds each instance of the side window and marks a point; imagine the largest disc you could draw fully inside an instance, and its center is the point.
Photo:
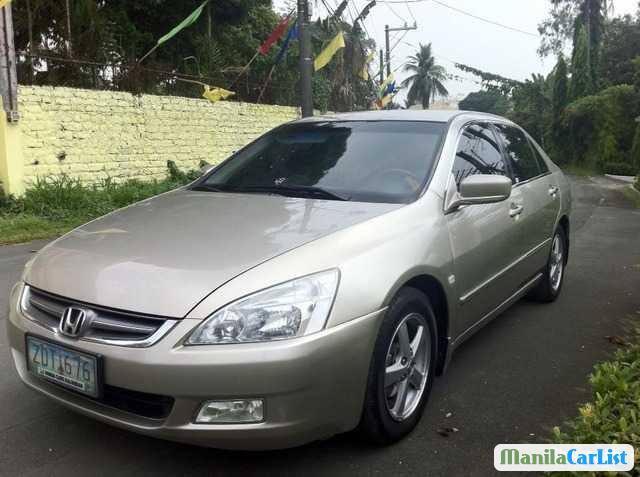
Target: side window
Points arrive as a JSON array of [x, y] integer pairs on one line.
[[478, 153], [541, 162], [524, 164]]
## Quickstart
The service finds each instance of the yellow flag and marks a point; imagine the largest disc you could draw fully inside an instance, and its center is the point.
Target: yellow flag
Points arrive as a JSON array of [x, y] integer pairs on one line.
[[4, 2], [390, 79], [325, 57], [364, 74], [215, 94]]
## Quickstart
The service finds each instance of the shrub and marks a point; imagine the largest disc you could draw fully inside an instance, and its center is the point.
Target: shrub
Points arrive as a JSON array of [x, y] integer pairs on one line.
[[63, 197], [614, 414], [620, 168], [601, 127]]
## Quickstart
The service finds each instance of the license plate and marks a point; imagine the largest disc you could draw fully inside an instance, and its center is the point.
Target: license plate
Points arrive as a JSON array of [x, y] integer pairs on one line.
[[64, 366]]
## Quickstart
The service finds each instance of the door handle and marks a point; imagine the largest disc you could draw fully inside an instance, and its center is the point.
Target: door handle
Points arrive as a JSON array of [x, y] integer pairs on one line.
[[553, 190], [515, 210]]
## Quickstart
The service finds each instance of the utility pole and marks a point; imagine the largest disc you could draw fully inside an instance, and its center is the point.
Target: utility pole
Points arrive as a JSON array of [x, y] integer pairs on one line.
[[386, 35], [306, 62], [381, 65], [8, 75]]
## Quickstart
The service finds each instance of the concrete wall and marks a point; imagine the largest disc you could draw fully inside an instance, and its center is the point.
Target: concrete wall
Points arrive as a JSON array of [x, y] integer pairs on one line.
[[97, 134]]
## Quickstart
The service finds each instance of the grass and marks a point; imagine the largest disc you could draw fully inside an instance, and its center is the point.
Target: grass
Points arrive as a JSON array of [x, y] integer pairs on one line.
[[52, 206], [633, 194], [613, 415]]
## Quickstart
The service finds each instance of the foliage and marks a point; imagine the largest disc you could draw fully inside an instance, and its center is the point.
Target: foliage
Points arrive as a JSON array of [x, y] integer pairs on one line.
[[530, 104], [613, 416], [108, 37], [634, 157], [621, 45], [560, 94], [566, 18], [491, 81], [559, 100], [55, 204], [600, 128], [492, 102], [558, 28], [590, 19], [621, 168], [427, 78], [581, 78]]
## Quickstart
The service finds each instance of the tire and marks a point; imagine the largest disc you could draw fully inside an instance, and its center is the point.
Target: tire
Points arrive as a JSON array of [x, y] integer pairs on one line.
[[550, 286], [385, 421]]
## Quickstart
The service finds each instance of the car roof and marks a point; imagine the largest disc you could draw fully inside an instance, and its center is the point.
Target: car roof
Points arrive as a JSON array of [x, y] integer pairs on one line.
[[431, 115]]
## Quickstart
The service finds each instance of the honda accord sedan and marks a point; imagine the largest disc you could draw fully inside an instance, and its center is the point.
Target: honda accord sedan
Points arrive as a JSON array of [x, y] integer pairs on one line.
[[315, 282]]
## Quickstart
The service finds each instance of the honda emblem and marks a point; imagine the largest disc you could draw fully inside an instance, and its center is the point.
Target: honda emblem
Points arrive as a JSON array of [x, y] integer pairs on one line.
[[72, 321]]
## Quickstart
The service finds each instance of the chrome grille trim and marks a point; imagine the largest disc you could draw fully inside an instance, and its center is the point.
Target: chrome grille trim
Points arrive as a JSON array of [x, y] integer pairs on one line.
[[111, 327]]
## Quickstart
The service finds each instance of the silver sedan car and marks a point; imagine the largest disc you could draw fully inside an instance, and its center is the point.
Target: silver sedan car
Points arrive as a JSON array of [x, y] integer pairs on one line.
[[315, 282]]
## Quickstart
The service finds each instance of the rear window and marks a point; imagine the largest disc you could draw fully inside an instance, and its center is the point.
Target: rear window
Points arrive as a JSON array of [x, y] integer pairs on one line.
[[524, 164], [369, 161]]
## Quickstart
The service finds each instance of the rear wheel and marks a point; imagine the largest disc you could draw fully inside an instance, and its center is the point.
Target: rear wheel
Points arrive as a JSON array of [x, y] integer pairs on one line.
[[402, 369], [549, 287]]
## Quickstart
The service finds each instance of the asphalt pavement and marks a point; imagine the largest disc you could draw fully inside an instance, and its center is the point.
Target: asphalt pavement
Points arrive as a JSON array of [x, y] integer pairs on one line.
[[511, 383]]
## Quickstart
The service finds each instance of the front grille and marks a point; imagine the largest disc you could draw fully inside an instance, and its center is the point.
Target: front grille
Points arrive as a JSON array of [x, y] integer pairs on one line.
[[102, 325], [153, 406]]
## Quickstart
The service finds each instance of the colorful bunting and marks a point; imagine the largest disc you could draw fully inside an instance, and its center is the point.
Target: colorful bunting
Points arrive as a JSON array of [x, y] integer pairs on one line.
[[190, 20], [364, 73], [216, 94], [292, 34], [275, 35], [385, 84], [325, 57]]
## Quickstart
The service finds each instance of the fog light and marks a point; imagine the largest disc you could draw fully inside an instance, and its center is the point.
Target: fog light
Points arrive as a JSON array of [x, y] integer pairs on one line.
[[231, 412]]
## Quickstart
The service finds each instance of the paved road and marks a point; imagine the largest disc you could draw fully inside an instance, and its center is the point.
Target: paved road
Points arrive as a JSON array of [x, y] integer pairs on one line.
[[512, 382]]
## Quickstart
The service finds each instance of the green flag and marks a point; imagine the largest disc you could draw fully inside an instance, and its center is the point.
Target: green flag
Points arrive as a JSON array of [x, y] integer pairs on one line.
[[190, 20]]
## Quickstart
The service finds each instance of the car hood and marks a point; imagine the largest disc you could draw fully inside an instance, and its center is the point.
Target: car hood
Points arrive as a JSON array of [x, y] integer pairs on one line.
[[164, 255]]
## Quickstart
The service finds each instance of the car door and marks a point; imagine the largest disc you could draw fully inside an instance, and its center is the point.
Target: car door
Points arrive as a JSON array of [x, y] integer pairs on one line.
[[485, 239], [539, 194]]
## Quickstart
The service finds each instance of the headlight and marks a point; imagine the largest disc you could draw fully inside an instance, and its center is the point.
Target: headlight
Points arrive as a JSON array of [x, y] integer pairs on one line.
[[296, 308]]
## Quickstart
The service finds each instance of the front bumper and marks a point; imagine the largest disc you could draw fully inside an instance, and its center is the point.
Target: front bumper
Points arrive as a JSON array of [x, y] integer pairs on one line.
[[313, 386]]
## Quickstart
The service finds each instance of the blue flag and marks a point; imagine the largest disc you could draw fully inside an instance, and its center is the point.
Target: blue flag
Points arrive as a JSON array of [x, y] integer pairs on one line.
[[293, 33]]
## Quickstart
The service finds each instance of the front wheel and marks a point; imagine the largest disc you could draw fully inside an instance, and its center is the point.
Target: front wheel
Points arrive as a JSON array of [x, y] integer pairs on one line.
[[553, 275], [402, 369]]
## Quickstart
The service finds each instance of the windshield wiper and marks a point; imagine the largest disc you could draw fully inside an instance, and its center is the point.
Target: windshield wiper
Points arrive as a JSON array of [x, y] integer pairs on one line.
[[208, 188], [295, 191]]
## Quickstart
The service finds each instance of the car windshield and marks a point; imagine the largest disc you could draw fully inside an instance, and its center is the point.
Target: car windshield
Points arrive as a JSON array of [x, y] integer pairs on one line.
[[365, 161]]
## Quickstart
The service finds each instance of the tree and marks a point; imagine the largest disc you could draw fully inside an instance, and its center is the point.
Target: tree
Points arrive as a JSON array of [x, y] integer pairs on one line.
[[581, 79], [620, 45], [564, 21], [590, 18], [560, 94], [490, 101], [427, 81], [559, 101], [531, 105], [556, 30]]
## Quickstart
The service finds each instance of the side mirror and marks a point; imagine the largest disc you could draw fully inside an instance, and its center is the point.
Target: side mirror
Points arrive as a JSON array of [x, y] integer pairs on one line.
[[479, 189]]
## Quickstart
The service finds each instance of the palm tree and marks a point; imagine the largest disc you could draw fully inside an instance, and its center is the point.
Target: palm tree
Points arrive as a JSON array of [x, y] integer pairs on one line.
[[426, 82]]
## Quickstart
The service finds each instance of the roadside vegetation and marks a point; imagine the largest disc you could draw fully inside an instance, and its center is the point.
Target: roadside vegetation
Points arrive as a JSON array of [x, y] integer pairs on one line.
[[52, 206], [613, 414], [586, 112]]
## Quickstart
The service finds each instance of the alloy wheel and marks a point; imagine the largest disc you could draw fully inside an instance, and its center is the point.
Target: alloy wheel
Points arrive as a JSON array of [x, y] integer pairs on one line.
[[407, 366], [556, 268]]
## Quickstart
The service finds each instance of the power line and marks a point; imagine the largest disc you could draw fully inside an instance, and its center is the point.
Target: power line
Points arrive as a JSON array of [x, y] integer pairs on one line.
[[402, 19], [410, 12], [463, 12]]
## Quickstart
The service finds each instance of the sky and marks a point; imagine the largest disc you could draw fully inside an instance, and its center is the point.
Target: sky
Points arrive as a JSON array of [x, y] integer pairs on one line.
[[459, 38]]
